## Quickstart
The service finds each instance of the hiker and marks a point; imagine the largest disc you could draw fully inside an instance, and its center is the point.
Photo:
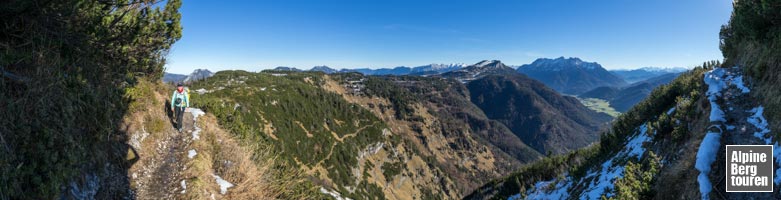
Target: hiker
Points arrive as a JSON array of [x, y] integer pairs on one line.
[[180, 100]]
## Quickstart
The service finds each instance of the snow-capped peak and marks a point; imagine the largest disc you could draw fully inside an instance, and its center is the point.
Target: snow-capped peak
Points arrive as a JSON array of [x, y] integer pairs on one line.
[[663, 69], [492, 64], [438, 66]]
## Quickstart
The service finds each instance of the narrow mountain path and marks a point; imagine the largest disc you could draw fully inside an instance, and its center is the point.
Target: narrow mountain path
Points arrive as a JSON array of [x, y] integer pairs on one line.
[[737, 118], [162, 177], [353, 134]]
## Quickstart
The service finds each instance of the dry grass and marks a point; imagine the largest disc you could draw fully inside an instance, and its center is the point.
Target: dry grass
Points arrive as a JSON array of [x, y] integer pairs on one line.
[[254, 175], [220, 154]]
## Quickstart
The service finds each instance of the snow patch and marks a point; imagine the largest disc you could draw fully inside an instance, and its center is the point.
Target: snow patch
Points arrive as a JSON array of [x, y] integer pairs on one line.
[[191, 153], [196, 113], [760, 122], [706, 155], [196, 133], [604, 182], [184, 186], [634, 147], [609, 173], [737, 81], [715, 80], [87, 189], [224, 185], [334, 194], [548, 190], [716, 114]]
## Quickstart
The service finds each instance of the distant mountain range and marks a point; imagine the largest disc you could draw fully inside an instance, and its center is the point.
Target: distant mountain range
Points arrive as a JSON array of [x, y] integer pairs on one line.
[[570, 75], [419, 70], [641, 74], [573, 76], [566, 71], [198, 74]]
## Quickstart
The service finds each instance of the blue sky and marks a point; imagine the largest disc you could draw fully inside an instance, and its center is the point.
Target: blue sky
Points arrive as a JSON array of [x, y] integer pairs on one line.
[[256, 35]]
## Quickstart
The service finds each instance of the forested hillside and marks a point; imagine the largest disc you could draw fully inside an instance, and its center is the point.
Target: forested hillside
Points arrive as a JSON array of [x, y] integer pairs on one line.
[[544, 119]]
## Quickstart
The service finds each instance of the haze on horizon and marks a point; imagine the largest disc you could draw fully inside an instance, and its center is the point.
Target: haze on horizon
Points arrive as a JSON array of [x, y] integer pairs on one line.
[[619, 34]]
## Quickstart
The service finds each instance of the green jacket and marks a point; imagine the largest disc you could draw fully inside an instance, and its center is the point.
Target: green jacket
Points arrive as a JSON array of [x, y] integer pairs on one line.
[[185, 100]]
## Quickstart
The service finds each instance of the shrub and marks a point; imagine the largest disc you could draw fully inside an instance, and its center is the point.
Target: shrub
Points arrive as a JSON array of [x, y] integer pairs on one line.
[[65, 69]]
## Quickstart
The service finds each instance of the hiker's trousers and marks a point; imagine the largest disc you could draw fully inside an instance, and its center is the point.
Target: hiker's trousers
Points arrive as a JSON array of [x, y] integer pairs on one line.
[[179, 111]]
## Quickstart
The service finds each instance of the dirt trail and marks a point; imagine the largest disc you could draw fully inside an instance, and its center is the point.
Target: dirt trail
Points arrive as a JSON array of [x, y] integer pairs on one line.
[[737, 130], [161, 177], [331, 151]]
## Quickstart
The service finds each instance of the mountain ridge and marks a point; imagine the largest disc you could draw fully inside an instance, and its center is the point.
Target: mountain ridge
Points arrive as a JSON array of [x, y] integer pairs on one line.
[[197, 74], [644, 73], [570, 75]]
